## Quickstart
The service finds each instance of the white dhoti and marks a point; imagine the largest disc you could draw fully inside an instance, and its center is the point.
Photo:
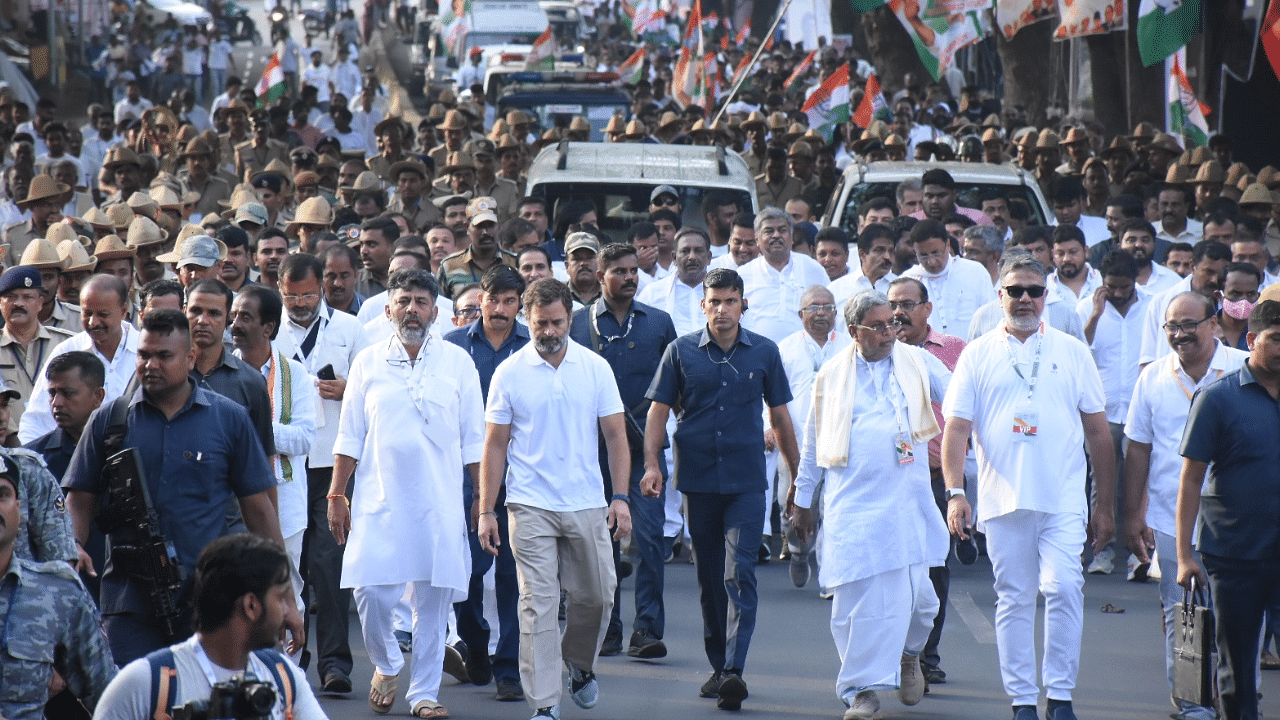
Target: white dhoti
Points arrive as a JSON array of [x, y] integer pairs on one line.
[[293, 547], [1035, 552], [876, 619], [431, 605]]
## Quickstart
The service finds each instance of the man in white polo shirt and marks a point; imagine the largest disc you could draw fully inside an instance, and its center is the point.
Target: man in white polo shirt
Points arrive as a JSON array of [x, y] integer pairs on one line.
[[545, 405], [1031, 397], [1153, 465]]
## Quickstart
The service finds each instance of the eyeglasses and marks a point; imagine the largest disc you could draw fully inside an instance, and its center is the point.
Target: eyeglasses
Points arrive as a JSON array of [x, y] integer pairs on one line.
[[1250, 296], [818, 308], [309, 297], [1017, 291], [905, 305], [666, 200], [1186, 328], [930, 256], [880, 328], [467, 312]]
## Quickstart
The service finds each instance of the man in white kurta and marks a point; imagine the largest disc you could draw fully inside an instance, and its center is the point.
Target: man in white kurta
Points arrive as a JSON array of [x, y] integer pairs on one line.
[[412, 418], [957, 287], [1031, 397], [869, 428]]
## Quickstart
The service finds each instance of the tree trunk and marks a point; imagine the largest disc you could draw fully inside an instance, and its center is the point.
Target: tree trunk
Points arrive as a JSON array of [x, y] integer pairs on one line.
[[893, 53], [1025, 60], [1110, 102], [1146, 84]]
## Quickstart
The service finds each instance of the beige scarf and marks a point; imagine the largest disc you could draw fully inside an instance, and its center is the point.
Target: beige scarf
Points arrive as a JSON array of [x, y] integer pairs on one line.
[[833, 395]]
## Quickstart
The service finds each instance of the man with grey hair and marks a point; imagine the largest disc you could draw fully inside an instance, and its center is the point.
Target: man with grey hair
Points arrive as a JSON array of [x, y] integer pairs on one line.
[[412, 421], [868, 428], [910, 196], [984, 245], [1032, 399], [803, 353], [1057, 312]]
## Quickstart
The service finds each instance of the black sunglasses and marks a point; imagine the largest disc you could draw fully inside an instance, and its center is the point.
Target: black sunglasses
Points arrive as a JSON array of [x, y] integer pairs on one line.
[[1016, 291]]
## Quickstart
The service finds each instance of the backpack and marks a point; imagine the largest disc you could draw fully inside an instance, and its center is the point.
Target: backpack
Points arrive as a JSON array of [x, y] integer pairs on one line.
[[164, 686]]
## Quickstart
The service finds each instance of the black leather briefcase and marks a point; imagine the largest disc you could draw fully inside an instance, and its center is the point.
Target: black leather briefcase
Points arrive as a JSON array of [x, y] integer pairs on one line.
[[1193, 644]]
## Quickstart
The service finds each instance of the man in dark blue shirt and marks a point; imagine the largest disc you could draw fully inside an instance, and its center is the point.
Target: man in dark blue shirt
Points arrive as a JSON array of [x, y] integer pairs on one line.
[[632, 338], [198, 450], [490, 340], [1231, 433], [718, 377]]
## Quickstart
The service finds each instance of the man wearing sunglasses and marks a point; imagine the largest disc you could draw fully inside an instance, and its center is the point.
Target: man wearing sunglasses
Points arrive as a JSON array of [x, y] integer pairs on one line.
[[1032, 398], [665, 197]]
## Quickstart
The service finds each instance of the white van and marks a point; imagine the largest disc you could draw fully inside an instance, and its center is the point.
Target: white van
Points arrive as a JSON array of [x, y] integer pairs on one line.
[[511, 25]]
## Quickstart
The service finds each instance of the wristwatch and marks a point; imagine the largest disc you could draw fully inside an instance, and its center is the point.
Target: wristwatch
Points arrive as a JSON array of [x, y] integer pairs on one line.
[[954, 492]]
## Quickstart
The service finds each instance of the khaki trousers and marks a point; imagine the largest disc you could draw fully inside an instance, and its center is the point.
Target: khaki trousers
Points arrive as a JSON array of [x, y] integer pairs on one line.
[[554, 550]]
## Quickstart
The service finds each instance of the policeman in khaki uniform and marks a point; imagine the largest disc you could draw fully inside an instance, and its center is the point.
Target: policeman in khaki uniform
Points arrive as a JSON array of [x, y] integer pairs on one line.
[[53, 624], [413, 184], [25, 343], [488, 183], [468, 266]]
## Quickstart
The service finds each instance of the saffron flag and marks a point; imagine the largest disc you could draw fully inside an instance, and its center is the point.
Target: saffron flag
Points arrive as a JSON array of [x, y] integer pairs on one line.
[[743, 33], [873, 105], [1165, 26], [542, 56], [1271, 36], [800, 70], [828, 104], [686, 77], [628, 18], [711, 73], [631, 71], [1186, 113], [271, 86]]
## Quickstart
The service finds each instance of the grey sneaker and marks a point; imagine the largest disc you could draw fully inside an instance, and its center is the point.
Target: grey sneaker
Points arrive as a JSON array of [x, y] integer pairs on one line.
[[912, 686], [799, 569], [583, 688], [865, 706], [552, 712]]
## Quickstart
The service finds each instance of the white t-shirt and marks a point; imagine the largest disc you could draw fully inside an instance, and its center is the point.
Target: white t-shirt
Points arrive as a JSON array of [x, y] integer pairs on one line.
[[553, 458], [319, 78], [128, 697], [1044, 472], [1117, 339]]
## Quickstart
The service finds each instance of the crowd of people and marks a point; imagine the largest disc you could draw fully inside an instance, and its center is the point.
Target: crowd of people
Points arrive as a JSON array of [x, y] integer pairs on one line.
[[364, 343]]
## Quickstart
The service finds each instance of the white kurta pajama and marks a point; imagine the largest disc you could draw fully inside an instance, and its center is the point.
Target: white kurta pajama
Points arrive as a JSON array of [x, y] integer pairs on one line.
[[411, 429], [883, 529]]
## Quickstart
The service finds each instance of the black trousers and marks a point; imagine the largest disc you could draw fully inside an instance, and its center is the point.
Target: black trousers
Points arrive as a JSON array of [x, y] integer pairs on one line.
[[1242, 590], [940, 577], [321, 570]]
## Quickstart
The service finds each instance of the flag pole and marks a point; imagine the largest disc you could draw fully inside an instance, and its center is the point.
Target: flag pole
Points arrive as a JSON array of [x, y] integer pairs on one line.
[[737, 83]]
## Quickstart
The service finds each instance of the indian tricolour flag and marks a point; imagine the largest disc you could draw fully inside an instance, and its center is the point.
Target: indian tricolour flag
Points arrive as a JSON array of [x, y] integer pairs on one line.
[[686, 78], [1186, 113], [1165, 26], [873, 105], [631, 71], [271, 86], [828, 105], [542, 56], [800, 70]]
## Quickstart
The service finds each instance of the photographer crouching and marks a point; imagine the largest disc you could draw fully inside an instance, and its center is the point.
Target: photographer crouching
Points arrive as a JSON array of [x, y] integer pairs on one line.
[[228, 669]]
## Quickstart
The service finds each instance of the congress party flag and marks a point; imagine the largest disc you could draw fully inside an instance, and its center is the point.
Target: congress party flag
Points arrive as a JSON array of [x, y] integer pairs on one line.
[[743, 33], [542, 56], [1186, 113], [631, 71], [935, 36], [1165, 26], [801, 69], [687, 76], [828, 104], [271, 86], [873, 105]]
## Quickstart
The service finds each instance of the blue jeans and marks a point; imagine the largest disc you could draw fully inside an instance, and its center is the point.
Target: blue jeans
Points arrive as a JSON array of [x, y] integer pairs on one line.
[[472, 627], [1243, 590], [647, 517], [725, 531]]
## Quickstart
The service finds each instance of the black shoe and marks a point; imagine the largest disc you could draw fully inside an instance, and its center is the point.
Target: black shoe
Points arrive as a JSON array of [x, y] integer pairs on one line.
[[624, 568], [1059, 710], [646, 646], [711, 688], [764, 555], [336, 681], [933, 674], [732, 692], [479, 668], [455, 664], [1025, 712], [612, 644], [509, 690]]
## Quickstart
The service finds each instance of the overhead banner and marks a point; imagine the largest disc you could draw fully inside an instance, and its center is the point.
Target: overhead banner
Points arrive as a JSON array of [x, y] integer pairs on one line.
[[1079, 18], [1013, 15], [938, 33]]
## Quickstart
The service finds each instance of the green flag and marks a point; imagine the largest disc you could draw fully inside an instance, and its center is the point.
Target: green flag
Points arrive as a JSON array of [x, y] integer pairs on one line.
[[1165, 26]]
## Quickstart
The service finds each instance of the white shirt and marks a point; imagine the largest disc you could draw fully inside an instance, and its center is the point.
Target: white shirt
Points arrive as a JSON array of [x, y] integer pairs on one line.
[[724, 260], [319, 78], [220, 56], [125, 108], [192, 60], [1057, 313], [373, 316], [1044, 473], [846, 286], [412, 429], [338, 341], [293, 438], [956, 294], [346, 79], [773, 296], [1155, 344], [1092, 281], [1193, 233], [128, 697], [1160, 279], [1158, 416], [1094, 228], [37, 418], [878, 515], [553, 459], [1117, 340], [801, 358], [681, 302]]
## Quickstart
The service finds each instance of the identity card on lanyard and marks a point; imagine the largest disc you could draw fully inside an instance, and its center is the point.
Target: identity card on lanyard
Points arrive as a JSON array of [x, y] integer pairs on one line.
[[1025, 418], [902, 446]]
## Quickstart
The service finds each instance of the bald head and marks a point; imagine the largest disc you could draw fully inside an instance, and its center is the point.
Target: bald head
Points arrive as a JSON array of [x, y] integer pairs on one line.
[[101, 285]]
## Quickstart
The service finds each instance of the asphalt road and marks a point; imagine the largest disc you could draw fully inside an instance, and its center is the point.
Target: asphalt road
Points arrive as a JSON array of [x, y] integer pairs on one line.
[[793, 663]]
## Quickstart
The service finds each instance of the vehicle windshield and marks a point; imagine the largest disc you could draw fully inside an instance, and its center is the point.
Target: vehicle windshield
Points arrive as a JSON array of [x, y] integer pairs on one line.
[[967, 194], [483, 39], [621, 205], [598, 111]]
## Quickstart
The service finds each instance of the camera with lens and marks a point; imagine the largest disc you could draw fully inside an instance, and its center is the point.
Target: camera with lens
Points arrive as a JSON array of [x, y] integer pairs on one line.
[[236, 699]]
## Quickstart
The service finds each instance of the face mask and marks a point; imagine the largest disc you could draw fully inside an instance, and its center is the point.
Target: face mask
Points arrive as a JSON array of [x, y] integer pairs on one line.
[[1238, 309]]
